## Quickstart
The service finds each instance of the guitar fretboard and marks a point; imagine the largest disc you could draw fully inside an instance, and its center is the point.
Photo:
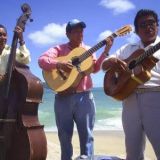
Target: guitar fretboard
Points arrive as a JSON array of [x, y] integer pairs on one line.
[[147, 53], [94, 49]]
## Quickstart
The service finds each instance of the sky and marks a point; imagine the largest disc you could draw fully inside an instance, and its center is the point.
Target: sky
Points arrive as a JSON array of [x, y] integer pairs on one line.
[[102, 18]]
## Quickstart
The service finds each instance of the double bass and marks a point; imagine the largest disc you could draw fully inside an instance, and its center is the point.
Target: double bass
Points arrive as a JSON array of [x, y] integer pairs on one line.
[[22, 136]]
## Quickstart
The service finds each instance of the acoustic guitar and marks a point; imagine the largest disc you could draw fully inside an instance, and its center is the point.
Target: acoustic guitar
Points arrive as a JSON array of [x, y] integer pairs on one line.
[[82, 62], [119, 83]]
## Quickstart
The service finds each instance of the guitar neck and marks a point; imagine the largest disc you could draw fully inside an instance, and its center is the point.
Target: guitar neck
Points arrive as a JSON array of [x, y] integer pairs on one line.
[[94, 49], [148, 53]]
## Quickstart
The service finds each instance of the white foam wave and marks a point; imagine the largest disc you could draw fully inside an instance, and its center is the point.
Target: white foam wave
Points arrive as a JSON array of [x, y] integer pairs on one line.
[[109, 124]]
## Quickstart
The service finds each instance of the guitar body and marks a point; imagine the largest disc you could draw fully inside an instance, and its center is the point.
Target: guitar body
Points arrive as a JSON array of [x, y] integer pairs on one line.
[[61, 81], [120, 84]]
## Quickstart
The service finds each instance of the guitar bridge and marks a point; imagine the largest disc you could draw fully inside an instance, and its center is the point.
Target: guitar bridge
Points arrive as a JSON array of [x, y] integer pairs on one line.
[[116, 77], [78, 68], [61, 73]]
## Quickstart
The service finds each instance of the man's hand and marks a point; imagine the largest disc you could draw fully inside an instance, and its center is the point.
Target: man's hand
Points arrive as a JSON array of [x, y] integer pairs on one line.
[[19, 32], [2, 77], [114, 63], [109, 43], [65, 66]]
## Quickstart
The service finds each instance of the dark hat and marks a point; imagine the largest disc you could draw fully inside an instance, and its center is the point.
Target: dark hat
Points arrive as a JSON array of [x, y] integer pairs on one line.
[[74, 23]]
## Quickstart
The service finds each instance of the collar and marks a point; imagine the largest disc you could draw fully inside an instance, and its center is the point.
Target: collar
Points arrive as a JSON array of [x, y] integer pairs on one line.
[[152, 44], [6, 48], [69, 47]]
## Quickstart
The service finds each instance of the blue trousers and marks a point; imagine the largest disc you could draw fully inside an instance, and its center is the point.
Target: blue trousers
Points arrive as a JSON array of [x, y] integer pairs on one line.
[[78, 108]]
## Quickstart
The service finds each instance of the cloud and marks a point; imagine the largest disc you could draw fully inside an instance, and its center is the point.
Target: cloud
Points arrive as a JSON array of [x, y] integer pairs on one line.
[[104, 35], [50, 34], [107, 33], [132, 38], [118, 6]]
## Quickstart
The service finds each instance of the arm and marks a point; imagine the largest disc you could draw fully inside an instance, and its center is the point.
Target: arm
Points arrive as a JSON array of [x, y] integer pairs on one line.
[[116, 59], [47, 60], [97, 63], [112, 63], [22, 54]]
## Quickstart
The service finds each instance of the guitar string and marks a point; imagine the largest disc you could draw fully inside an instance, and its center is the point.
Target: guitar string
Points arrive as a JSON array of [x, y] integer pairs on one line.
[[147, 53], [94, 48]]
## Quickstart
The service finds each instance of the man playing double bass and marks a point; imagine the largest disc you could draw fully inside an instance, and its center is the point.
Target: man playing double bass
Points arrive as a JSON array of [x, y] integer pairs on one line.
[[141, 109], [23, 57]]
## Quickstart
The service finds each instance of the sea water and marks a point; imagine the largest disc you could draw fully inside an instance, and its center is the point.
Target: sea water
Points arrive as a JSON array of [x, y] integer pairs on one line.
[[108, 111]]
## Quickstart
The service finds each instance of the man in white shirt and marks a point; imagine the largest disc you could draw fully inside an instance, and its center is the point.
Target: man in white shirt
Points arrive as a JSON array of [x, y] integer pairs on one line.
[[141, 109]]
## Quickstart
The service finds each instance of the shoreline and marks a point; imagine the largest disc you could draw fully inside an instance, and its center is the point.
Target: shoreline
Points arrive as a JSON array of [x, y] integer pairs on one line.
[[109, 143]]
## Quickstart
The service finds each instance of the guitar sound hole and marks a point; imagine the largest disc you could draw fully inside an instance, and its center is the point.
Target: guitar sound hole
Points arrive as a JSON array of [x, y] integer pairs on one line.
[[75, 61]]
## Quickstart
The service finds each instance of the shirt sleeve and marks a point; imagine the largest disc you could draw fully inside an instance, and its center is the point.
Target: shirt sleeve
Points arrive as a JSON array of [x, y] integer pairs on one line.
[[98, 62], [23, 55], [118, 54], [124, 52], [121, 53], [47, 60]]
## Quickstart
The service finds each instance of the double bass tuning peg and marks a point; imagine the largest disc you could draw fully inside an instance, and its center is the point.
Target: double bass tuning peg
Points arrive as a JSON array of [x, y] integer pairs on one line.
[[31, 20]]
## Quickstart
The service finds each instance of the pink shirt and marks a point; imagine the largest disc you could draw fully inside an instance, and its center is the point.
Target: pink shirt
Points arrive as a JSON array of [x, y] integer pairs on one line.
[[48, 62]]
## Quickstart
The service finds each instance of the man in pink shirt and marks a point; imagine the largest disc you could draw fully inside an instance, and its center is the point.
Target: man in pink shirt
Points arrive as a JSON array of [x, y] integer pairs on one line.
[[78, 107]]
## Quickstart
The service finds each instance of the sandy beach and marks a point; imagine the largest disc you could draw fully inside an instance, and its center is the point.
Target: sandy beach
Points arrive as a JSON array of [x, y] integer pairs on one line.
[[105, 143]]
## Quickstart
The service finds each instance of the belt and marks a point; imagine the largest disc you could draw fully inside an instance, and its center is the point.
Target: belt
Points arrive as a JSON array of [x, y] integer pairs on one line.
[[69, 92], [152, 89]]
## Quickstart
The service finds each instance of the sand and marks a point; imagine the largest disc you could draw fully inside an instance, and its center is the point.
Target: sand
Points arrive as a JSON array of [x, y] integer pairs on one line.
[[105, 143]]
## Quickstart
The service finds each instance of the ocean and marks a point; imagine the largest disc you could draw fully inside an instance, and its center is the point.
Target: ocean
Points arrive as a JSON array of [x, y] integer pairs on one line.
[[108, 111]]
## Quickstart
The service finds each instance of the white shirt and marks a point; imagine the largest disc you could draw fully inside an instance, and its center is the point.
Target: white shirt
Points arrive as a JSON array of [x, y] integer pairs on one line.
[[126, 50], [22, 56]]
